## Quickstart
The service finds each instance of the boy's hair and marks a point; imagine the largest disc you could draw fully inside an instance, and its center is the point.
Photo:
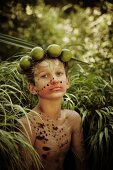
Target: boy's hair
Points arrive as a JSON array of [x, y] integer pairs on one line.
[[30, 73]]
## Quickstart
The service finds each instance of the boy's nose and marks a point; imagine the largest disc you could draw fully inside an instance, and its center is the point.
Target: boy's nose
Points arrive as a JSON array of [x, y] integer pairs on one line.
[[54, 81]]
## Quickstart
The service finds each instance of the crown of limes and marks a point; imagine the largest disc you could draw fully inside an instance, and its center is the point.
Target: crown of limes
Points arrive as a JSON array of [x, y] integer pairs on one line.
[[38, 53]]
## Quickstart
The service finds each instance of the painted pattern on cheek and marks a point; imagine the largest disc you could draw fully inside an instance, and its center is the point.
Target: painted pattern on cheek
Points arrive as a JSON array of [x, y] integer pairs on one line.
[[46, 89]]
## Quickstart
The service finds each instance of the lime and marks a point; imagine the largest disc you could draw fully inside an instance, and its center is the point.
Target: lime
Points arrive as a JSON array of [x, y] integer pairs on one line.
[[19, 69], [66, 55], [37, 53], [25, 62], [54, 50]]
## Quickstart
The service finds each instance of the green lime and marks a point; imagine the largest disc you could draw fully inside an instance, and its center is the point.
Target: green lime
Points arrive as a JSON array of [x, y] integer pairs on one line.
[[37, 53], [19, 69], [54, 50], [66, 55], [25, 62]]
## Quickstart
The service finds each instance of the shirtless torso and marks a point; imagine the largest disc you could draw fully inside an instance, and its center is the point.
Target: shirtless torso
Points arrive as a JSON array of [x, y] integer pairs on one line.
[[51, 138]]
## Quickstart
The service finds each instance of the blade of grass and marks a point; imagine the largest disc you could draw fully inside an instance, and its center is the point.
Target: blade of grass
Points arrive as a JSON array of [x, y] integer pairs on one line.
[[15, 41]]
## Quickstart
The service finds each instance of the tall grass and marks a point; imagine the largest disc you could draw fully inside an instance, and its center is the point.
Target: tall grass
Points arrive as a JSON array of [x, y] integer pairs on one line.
[[93, 99], [14, 102], [89, 94]]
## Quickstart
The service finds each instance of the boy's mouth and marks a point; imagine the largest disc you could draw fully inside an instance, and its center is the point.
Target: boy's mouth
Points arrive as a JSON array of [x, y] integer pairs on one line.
[[55, 88]]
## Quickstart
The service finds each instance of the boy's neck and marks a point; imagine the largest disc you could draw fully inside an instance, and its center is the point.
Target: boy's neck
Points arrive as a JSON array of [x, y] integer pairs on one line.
[[51, 108]]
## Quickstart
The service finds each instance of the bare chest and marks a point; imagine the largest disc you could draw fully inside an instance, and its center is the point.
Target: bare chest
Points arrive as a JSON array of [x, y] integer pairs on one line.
[[52, 139]]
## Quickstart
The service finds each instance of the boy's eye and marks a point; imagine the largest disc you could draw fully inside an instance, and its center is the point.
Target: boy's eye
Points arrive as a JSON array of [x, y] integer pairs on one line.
[[59, 73], [44, 76]]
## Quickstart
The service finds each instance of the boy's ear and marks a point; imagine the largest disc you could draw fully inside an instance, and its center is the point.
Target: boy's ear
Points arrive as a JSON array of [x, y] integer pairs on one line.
[[32, 88]]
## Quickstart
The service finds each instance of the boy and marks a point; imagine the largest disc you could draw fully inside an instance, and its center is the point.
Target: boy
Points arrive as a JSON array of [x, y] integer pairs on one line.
[[51, 130]]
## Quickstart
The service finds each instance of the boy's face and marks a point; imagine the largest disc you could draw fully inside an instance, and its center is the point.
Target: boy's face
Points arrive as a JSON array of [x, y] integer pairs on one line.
[[50, 79]]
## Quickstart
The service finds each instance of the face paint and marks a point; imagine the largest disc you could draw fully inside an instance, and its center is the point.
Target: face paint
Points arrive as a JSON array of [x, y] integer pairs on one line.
[[51, 88], [50, 77]]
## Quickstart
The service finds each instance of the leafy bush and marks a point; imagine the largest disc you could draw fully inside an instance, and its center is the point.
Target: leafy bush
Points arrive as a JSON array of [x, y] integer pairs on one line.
[[13, 96], [89, 94], [93, 98]]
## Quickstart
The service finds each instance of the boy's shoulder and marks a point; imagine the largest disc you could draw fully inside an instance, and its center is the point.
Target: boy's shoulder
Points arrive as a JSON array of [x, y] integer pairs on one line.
[[73, 118], [27, 123], [30, 118], [72, 114]]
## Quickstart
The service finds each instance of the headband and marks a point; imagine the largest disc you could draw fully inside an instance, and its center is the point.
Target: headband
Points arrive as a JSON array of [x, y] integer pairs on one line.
[[38, 54]]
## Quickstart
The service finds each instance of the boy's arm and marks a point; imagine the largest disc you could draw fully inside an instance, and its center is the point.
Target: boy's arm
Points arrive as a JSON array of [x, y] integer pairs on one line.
[[78, 142]]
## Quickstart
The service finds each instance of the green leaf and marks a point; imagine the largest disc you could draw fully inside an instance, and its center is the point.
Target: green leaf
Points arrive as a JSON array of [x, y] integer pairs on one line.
[[7, 39]]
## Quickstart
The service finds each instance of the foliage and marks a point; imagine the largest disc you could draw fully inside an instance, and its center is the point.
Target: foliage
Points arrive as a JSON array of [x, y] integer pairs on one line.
[[89, 94], [10, 144], [89, 37], [88, 33], [93, 99], [13, 96]]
